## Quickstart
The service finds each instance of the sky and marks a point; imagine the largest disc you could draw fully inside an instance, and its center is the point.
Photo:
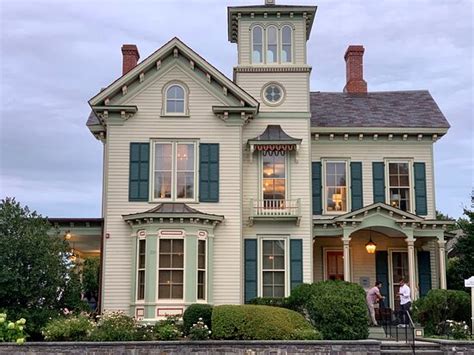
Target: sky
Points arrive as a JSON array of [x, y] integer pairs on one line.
[[55, 55]]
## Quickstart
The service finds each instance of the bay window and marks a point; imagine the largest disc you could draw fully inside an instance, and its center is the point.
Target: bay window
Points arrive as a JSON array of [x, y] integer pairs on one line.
[[201, 281], [273, 268], [399, 185], [171, 269], [335, 183], [141, 269], [174, 172]]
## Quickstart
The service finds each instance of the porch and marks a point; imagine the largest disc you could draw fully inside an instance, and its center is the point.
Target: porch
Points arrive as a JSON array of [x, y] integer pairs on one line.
[[380, 242]]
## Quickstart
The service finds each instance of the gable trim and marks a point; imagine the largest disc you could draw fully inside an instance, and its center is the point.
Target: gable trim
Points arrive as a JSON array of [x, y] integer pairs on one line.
[[174, 47]]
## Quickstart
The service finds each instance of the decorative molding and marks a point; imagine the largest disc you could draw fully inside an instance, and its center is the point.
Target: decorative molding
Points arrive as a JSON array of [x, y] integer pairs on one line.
[[279, 69]]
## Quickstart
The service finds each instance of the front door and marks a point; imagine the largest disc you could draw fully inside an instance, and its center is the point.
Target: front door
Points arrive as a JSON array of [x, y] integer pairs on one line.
[[399, 271], [334, 265]]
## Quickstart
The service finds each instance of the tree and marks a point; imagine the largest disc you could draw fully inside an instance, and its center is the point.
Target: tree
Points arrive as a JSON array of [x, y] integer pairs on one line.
[[461, 267], [90, 275], [34, 270]]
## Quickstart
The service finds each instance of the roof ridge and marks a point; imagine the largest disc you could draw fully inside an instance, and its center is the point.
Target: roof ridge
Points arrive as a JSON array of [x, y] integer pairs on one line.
[[370, 92]]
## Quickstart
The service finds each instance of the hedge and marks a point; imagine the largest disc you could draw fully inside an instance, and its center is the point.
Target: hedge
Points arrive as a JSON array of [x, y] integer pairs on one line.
[[438, 306], [194, 312], [254, 322], [336, 308]]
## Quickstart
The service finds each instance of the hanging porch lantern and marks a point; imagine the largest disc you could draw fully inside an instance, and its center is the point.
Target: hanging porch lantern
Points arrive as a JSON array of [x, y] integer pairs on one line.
[[370, 246]]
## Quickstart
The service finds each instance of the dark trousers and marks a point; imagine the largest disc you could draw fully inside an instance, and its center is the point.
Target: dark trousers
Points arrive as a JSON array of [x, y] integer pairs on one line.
[[404, 308]]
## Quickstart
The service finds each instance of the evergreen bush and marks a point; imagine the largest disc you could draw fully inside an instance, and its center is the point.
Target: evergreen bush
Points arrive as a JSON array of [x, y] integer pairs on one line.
[[74, 328], [438, 306], [336, 308], [254, 322], [194, 312]]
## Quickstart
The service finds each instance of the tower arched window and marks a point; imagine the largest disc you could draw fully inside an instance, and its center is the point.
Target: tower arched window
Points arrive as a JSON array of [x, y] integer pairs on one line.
[[272, 44], [286, 44], [175, 99], [257, 44]]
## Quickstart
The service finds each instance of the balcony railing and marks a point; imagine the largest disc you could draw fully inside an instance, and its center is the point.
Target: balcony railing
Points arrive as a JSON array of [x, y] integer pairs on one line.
[[275, 210]]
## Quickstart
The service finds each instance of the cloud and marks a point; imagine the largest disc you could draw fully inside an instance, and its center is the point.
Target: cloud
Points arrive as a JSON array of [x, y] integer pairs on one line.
[[55, 57]]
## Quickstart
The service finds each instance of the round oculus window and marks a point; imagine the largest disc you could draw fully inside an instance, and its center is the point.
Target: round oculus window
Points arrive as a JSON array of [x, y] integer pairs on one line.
[[273, 93]]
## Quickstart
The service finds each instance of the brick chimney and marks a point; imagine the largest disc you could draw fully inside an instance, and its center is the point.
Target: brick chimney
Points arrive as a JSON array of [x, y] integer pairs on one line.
[[355, 83], [130, 57]]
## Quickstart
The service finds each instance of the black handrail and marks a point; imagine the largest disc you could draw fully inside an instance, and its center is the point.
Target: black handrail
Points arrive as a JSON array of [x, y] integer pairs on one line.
[[391, 321]]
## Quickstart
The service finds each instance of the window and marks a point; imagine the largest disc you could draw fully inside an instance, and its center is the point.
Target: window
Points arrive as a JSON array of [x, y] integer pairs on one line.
[[274, 179], [175, 99], [174, 170], [201, 282], [273, 268], [272, 44], [171, 269], [336, 186], [141, 269], [286, 49], [257, 44], [399, 185], [273, 93]]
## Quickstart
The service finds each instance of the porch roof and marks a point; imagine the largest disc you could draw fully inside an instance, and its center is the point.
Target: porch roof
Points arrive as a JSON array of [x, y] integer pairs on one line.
[[380, 215]]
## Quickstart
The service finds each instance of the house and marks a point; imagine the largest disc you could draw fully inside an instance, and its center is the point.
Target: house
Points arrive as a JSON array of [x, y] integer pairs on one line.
[[218, 191]]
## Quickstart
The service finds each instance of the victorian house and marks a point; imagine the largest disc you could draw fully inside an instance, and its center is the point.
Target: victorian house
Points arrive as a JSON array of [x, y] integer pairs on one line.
[[219, 190]]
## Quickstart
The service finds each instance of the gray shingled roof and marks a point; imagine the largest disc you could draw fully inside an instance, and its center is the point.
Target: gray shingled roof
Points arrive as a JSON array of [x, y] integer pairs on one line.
[[414, 109]]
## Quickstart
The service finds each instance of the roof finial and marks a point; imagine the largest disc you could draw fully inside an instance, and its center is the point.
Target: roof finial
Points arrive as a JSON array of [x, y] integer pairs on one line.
[[269, 2]]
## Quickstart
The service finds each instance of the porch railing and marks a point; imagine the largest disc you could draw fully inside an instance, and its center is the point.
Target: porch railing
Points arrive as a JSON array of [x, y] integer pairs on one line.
[[398, 325], [275, 209]]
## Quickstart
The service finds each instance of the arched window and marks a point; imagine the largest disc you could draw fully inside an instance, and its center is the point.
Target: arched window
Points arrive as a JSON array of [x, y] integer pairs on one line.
[[286, 49], [257, 44], [272, 44], [175, 99]]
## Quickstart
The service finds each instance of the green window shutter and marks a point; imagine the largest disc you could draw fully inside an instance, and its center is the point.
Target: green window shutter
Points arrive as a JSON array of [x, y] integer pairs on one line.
[[424, 272], [139, 171], [296, 262], [250, 272], [381, 274], [421, 207], [209, 172], [317, 187], [356, 185], [378, 175]]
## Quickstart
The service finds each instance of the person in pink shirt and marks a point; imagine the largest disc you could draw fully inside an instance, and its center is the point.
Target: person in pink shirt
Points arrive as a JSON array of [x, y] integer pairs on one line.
[[373, 297]]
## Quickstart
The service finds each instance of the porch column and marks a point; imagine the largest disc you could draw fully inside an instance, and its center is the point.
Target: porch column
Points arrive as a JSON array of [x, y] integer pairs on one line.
[[346, 254], [442, 262], [411, 265]]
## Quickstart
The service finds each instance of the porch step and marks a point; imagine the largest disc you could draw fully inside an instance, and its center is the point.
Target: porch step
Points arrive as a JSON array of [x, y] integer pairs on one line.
[[393, 347], [377, 333]]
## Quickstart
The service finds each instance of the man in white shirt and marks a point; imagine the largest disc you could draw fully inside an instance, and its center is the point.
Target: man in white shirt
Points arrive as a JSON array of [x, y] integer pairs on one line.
[[405, 300]]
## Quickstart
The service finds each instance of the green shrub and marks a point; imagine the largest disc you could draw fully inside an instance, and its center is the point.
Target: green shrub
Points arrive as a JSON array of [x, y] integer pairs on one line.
[[194, 312], [336, 308], [168, 329], [438, 306], [306, 334], [270, 301], [12, 331], [75, 328], [115, 326], [253, 322]]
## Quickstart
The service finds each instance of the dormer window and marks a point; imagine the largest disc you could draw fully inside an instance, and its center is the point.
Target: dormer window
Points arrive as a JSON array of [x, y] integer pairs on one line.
[[257, 44], [272, 44], [286, 46]]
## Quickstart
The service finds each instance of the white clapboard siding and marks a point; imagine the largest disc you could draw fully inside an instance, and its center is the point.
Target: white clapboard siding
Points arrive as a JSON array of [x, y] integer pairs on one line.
[[146, 124], [368, 151], [299, 186], [295, 86], [299, 38]]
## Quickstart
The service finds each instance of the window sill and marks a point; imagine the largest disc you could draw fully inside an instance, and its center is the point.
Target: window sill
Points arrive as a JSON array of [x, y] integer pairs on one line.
[[169, 200], [175, 116]]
